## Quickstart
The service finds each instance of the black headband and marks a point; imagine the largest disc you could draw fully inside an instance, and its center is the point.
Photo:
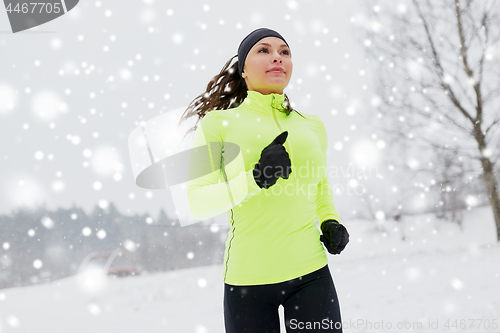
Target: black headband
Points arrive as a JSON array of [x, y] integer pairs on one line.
[[250, 40]]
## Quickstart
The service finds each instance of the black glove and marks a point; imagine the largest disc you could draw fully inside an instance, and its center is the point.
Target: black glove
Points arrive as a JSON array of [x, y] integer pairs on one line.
[[274, 163], [335, 236]]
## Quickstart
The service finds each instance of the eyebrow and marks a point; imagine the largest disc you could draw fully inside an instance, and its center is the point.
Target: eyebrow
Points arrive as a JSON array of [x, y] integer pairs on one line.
[[270, 44]]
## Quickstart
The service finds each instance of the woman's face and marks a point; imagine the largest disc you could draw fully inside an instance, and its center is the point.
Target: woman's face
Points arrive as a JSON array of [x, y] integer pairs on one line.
[[266, 54]]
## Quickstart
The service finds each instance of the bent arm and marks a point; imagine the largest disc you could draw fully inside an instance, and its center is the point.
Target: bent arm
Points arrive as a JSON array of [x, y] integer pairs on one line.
[[209, 191], [325, 207]]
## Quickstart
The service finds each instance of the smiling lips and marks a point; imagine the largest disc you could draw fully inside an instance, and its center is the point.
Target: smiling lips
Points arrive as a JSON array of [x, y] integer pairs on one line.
[[276, 70]]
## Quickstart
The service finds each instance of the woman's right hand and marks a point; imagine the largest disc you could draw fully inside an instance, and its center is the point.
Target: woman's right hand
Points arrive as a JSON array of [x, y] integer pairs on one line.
[[274, 163]]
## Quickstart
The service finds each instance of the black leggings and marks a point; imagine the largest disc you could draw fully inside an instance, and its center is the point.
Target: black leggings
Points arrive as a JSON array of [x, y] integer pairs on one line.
[[310, 304]]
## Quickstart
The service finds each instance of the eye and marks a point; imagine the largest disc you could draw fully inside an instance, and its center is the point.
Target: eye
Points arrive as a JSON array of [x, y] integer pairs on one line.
[[287, 52]]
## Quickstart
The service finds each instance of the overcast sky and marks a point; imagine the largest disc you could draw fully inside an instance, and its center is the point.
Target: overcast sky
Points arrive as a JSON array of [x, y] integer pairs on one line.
[[73, 89]]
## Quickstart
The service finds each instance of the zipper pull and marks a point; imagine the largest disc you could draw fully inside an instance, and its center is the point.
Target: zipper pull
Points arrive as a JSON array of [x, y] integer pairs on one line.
[[275, 104]]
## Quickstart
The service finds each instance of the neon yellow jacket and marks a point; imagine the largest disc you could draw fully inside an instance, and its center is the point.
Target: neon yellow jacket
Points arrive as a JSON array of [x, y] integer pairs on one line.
[[273, 235]]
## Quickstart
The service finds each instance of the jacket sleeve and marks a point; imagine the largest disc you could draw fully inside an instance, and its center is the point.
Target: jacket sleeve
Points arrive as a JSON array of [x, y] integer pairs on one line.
[[209, 191], [325, 208]]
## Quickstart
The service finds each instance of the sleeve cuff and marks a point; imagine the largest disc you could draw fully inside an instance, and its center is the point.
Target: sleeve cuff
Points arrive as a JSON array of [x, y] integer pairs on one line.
[[253, 188], [329, 220]]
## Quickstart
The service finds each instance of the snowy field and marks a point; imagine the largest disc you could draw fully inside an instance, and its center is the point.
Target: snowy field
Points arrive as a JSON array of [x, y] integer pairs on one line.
[[440, 279]]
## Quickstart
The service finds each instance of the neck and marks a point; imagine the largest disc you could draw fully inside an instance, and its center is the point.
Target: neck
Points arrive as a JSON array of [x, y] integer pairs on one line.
[[265, 104], [267, 92]]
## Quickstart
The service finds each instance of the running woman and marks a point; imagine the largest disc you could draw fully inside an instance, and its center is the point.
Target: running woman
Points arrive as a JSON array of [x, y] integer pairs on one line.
[[264, 163]]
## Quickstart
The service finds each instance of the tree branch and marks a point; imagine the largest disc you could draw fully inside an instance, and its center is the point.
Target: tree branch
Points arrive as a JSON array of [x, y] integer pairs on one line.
[[470, 74], [438, 64]]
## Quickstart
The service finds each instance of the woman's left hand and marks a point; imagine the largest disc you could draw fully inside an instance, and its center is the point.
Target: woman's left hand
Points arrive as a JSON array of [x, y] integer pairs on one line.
[[335, 236]]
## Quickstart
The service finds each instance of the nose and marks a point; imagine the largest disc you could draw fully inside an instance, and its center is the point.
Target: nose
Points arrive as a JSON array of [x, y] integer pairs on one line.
[[277, 58]]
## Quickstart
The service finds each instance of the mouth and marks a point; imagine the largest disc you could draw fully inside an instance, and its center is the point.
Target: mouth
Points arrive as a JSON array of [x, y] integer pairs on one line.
[[276, 70]]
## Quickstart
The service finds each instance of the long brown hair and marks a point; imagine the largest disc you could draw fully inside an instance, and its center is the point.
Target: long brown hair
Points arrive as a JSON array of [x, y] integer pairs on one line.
[[226, 90]]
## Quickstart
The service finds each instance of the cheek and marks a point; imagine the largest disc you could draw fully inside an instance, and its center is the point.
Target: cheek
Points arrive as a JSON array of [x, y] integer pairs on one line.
[[255, 66], [290, 69]]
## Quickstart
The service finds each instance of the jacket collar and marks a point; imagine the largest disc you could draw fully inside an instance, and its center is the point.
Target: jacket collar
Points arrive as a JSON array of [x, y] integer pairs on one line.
[[264, 104]]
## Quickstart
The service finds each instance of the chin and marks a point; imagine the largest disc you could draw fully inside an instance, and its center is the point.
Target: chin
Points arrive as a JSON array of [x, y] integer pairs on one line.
[[275, 87]]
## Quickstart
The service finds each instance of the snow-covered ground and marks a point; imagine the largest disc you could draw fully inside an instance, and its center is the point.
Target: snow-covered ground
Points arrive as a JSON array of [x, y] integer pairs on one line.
[[441, 278]]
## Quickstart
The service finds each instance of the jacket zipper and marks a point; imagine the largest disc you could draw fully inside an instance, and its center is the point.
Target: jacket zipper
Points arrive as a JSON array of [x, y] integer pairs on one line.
[[281, 130]]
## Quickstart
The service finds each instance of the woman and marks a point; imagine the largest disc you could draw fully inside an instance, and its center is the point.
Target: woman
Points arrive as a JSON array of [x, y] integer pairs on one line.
[[271, 163]]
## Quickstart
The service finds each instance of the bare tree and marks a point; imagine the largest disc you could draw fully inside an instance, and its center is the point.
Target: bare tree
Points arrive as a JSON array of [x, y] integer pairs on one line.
[[438, 73], [450, 173]]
